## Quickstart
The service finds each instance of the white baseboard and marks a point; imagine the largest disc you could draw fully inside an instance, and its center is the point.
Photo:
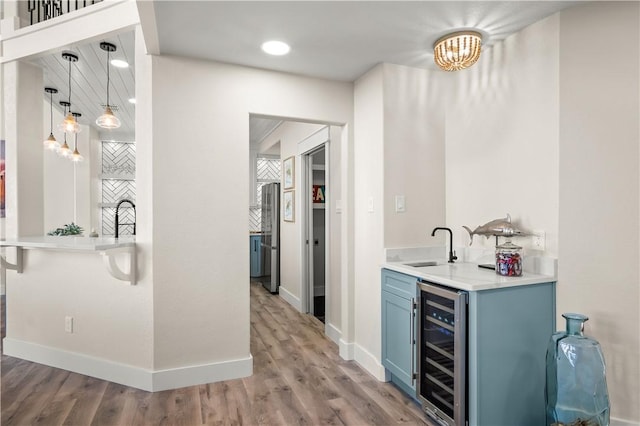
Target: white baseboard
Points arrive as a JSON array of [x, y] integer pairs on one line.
[[332, 333], [622, 422], [369, 363], [290, 298], [346, 350], [140, 378]]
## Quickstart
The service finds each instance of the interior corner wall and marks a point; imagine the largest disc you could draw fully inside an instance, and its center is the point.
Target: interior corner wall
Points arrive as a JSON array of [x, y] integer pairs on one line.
[[599, 188], [368, 218], [502, 138], [334, 311], [414, 161], [200, 200], [22, 89]]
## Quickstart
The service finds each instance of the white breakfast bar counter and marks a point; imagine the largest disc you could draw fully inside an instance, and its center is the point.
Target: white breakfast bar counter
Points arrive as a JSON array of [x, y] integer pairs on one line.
[[107, 247]]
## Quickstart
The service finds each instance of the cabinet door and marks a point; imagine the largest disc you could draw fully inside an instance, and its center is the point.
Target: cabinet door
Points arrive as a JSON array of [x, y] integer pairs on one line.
[[398, 337], [254, 248]]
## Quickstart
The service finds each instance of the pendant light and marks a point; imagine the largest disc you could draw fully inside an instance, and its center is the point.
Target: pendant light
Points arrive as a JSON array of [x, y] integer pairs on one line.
[[69, 124], [64, 150], [75, 156], [51, 143], [108, 120]]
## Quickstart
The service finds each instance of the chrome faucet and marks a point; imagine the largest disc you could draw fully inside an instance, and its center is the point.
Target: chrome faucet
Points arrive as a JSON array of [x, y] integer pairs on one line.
[[452, 254], [124, 200]]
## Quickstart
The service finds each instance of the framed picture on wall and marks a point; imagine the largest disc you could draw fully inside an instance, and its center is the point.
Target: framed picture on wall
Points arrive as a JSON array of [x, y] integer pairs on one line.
[[289, 173], [289, 206]]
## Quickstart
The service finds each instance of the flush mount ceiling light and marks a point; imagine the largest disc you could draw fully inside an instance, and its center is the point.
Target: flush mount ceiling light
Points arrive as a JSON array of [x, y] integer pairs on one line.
[[457, 51], [275, 47], [51, 143], [119, 63], [69, 124], [108, 120], [132, 100], [75, 155]]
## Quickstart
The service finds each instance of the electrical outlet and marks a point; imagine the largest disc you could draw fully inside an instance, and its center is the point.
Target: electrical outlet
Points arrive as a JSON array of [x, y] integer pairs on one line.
[[538, 240], [68, 324]]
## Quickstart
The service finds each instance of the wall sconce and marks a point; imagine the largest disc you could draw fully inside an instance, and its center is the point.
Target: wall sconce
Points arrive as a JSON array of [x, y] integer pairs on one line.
[[457, 51]]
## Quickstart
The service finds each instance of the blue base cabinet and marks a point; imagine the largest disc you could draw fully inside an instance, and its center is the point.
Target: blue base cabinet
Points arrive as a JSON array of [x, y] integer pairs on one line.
[[398, 328], [507, 330], [255, 256]]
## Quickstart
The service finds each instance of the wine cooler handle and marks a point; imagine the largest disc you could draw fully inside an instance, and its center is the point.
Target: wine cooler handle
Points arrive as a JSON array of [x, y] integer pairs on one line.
[[413, 339]]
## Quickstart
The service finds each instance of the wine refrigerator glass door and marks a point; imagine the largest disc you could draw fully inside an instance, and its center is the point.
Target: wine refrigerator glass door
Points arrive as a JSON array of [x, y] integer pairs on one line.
[[442, 353]]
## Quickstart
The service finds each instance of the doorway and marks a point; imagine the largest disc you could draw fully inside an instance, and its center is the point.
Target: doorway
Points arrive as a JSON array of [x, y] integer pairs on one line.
[[315, 193]]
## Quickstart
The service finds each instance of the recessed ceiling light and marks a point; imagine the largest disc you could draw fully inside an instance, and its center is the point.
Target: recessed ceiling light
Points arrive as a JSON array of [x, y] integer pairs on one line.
[[119, 63], [132, 100], [275, 47]]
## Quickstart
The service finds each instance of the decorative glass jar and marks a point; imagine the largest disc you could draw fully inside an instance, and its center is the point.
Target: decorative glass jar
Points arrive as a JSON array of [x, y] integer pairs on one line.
[[509, 260], [576, 388]]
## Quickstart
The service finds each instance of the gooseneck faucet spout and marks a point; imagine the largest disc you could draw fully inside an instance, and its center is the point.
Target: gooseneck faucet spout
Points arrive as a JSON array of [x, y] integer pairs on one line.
[[452, 254], [124, 200]]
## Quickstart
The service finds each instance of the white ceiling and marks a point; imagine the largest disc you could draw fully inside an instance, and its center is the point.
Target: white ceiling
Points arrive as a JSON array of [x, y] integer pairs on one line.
[[337, 40]]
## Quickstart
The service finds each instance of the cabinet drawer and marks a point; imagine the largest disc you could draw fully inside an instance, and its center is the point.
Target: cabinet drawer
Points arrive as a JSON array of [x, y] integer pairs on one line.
[[399, 284]]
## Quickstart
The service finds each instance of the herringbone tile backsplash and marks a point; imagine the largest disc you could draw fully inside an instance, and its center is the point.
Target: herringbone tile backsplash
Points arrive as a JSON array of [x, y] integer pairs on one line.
[[267, 170], [119, 162]]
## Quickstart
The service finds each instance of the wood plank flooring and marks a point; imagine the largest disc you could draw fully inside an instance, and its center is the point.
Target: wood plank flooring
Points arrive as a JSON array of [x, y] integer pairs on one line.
[[299, 379]]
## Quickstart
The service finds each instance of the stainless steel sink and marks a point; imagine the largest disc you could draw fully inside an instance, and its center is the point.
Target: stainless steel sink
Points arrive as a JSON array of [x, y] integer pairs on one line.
[[422, 264]]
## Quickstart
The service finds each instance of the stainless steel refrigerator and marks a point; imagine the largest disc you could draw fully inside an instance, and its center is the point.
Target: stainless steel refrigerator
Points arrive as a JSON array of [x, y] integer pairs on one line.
[[270, 240]]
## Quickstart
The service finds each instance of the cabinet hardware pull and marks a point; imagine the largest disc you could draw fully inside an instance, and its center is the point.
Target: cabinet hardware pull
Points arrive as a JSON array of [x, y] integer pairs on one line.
[[412, 339]]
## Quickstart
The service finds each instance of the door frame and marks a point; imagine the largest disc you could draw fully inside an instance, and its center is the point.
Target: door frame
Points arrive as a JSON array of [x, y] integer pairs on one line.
[[306, 148]]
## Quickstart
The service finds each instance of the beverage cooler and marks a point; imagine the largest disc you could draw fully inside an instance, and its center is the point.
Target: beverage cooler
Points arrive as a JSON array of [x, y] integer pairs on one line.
[[442, 353]]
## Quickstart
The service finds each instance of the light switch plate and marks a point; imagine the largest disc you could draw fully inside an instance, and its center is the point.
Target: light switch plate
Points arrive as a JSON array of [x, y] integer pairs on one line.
[[400, 204], [370, 205]]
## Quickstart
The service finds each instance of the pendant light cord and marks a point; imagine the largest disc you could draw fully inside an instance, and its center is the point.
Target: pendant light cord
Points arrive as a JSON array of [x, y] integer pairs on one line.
[[108, 77], [51, 110], [69, 85]]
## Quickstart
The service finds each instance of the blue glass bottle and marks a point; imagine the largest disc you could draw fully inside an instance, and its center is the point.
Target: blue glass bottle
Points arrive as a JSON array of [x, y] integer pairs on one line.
[[576, 389]]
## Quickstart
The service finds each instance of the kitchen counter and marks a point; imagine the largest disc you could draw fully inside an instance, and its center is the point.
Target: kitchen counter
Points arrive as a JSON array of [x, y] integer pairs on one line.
[[467, 276], [108, 247], [69, 243]]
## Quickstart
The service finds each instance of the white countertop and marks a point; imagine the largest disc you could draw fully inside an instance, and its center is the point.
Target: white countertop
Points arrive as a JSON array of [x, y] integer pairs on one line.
[[467, 276], [69, 243]]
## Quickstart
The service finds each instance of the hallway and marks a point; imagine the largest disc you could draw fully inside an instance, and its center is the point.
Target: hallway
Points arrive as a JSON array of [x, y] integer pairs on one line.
[[298, 378]]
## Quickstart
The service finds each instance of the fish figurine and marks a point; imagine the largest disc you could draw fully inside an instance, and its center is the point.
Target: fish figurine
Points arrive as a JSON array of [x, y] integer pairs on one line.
[[498, 228]]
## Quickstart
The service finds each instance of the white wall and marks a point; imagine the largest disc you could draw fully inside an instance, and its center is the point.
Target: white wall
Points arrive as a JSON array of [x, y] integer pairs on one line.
[[599, 187], [201, 267], [502, 138], [336, 261], [414, 161], [368, 222]]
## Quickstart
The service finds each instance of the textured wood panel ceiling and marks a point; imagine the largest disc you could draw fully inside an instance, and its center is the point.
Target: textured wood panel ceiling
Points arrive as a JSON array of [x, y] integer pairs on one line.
[[89, 83]]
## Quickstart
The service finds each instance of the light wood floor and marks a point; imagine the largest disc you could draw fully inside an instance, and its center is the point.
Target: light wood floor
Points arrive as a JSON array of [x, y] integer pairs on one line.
[[298, 379]]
